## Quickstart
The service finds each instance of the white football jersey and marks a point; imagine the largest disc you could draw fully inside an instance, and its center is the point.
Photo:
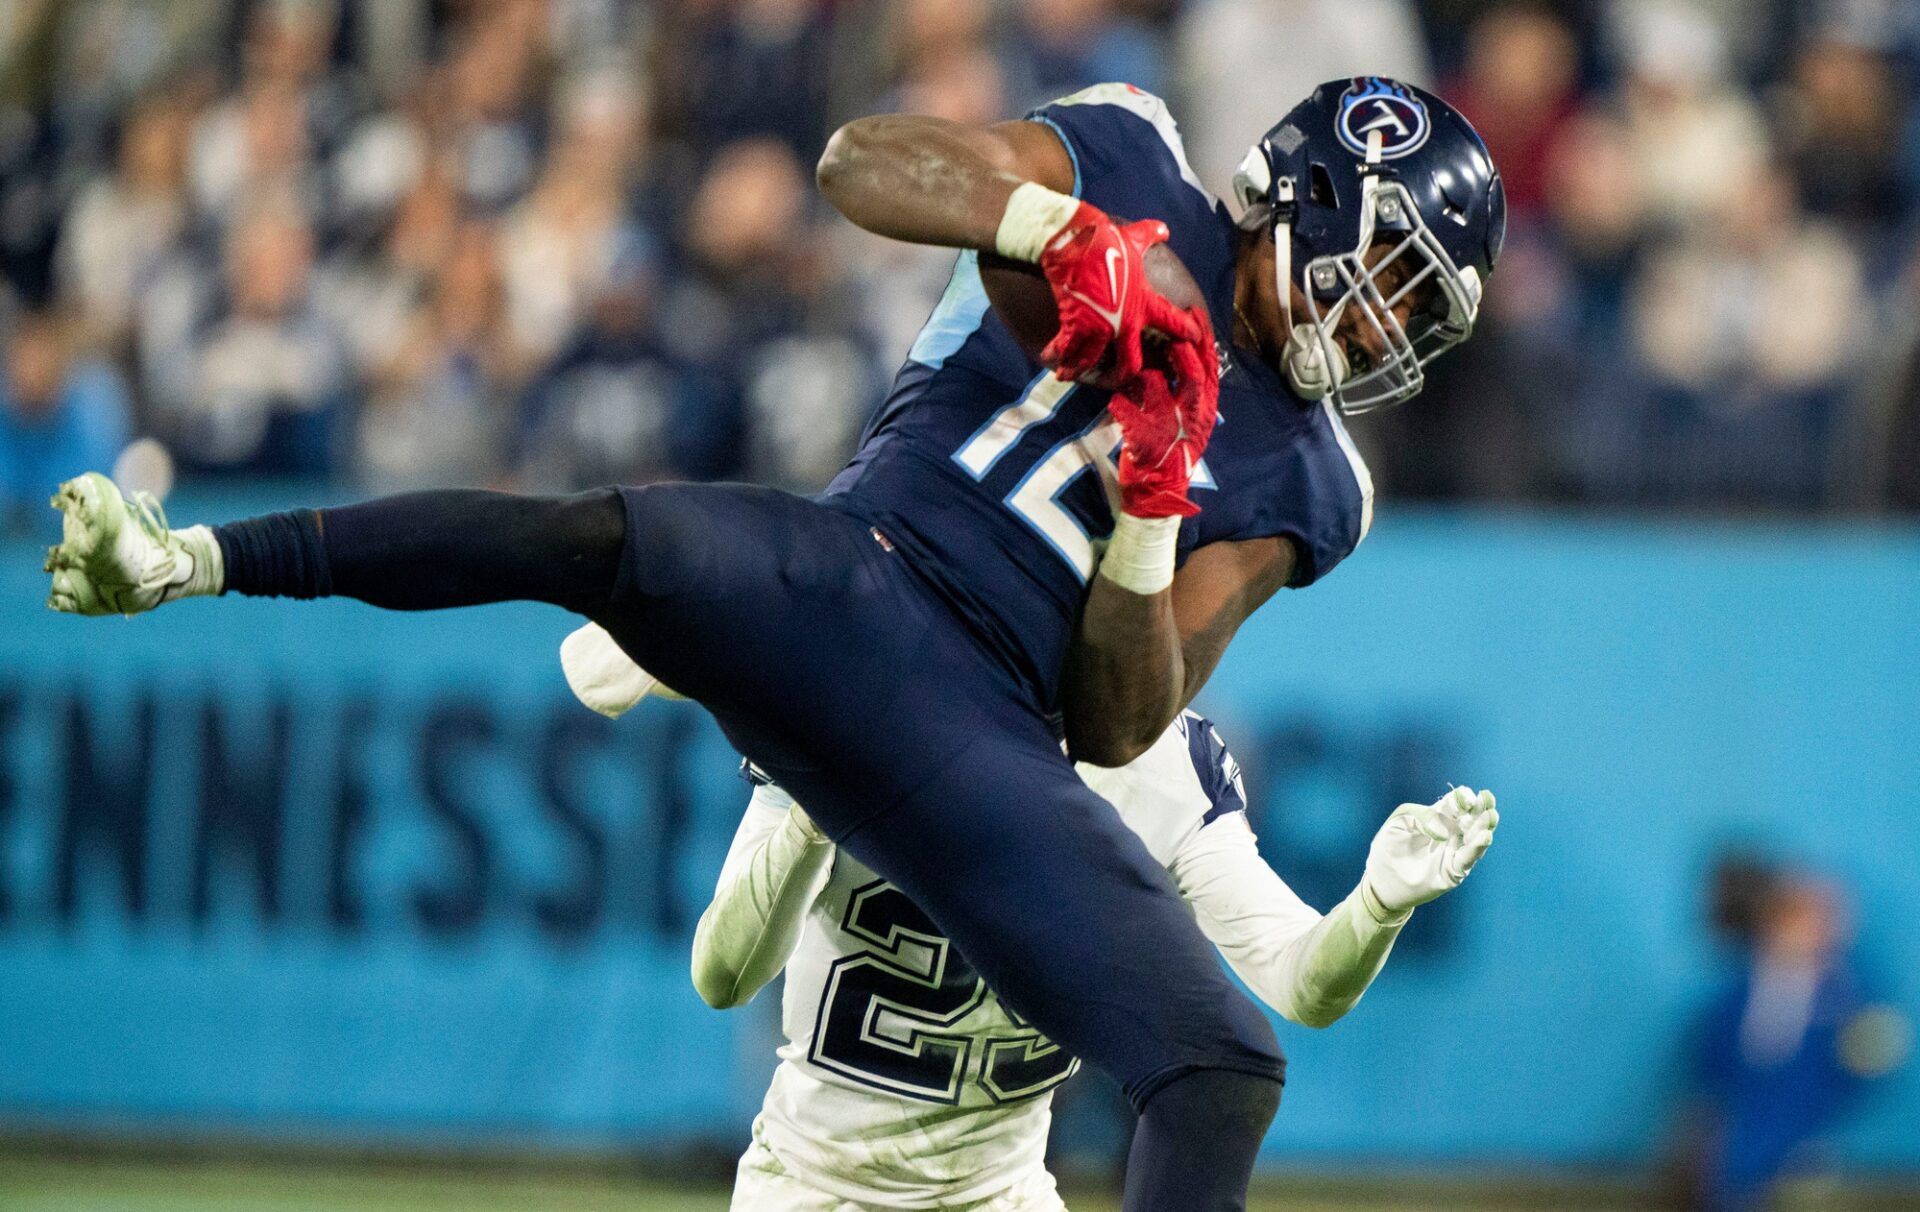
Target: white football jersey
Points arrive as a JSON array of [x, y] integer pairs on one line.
[[904, 1081]]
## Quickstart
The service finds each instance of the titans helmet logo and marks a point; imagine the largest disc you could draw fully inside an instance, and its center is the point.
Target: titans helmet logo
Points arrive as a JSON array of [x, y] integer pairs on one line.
[[1374, 105]]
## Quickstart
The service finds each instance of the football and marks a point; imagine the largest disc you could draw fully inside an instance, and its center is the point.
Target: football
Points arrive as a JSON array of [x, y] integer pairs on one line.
[[1022, 299]]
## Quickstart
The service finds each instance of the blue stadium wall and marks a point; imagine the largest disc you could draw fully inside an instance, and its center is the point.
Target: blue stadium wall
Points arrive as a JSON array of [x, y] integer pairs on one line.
[[325, 871]]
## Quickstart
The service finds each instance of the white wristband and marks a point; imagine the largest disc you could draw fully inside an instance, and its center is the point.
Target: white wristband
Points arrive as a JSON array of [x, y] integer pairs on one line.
[[1034, 215], [1140, 554]]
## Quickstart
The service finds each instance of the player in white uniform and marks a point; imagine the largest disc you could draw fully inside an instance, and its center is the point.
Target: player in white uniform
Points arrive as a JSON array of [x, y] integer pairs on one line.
[[904, 1082]]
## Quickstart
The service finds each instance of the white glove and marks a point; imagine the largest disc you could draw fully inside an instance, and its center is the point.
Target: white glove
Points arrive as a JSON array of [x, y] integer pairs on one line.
[[1426, 849], [603, 676]]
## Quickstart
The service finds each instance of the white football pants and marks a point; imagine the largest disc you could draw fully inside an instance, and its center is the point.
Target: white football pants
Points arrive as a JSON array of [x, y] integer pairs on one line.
[[762, 1184]]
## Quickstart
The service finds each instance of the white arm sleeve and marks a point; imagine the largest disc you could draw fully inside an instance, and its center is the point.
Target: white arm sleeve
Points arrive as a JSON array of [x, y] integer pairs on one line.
[[775, 868], [1311, 968]]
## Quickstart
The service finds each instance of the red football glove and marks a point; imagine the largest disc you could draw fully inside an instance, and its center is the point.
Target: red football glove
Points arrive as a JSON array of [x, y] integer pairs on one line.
[[1164, 427], [1101, 293]]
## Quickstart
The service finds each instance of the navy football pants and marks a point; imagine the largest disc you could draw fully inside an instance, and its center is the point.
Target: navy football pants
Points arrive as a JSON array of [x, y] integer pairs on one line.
[[841, 672]]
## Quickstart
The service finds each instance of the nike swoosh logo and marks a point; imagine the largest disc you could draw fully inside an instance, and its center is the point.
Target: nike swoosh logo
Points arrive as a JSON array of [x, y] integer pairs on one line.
[[1110, 315]]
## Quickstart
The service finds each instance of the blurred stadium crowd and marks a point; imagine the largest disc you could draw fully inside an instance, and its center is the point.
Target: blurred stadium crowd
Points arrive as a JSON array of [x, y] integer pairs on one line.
[[552, 243]]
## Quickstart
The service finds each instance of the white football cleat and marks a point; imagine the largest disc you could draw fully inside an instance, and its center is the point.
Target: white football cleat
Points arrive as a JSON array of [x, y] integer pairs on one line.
[[116, 556]]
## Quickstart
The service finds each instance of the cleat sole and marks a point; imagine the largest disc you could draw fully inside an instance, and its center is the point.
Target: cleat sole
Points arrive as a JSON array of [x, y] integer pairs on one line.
[[89, 530]]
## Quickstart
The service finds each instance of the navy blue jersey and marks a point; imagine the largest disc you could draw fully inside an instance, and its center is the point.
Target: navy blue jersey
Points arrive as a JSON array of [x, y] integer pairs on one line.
[[999, 479], [1215, 766]]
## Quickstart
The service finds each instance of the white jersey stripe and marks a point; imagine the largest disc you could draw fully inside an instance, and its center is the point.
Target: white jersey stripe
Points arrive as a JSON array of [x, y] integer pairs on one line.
[[1361, 476]]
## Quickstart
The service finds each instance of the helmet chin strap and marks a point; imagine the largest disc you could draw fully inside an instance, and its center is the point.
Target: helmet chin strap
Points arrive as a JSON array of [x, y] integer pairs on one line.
[[1304, 359], [1316, 364], [1283, 250]]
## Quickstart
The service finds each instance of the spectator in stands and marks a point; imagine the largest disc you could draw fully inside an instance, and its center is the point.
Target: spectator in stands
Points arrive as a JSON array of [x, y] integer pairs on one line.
[[495, 128], [289, 43], [285, 115], [761, 306], [376, 281], [1780, 1054], [558, 246], [262, 387], [928, 29], [438, 399], [896, 282], [1056, 47], [1845, 116], [384, 157], [748, 258], [618, 407], [1751, 326], [1520, 88], [1244, 63], [60, 414], [1691, 133], [746, 69], [125, 224], [1792, 322], [1564, 308]]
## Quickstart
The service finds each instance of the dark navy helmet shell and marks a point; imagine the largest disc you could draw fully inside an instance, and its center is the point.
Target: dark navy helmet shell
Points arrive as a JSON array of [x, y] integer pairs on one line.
[[1373, 189]]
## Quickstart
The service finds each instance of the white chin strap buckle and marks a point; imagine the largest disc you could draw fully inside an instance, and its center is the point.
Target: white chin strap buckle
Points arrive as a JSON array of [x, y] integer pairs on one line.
[[1306, 360], [1307, 365]]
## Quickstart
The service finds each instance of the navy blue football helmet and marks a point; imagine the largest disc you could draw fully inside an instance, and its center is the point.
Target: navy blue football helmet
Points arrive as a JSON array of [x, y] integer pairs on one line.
[[1363, 163]]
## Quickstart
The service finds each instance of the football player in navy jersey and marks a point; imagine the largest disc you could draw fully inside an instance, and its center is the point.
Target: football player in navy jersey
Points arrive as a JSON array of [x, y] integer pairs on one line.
[[986, 573], [904, 1083]]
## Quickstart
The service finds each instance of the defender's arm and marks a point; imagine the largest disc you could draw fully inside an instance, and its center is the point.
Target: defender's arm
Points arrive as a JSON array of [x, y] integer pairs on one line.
[[775, 868], [1310, 968], [1139, 658]]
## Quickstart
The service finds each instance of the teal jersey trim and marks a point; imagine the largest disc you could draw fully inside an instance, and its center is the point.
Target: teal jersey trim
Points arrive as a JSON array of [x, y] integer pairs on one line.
[[956, 317]]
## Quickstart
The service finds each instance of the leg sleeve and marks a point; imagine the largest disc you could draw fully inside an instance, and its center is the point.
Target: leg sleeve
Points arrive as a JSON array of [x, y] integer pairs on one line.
[[434, 550]]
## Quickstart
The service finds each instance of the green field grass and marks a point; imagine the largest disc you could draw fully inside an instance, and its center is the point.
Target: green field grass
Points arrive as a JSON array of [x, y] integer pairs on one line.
[[63, 1182], [66, 1185]]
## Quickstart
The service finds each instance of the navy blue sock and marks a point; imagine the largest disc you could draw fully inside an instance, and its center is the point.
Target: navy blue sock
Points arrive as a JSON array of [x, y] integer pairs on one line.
[[1194, 1148], [435, 550], [279, 555]]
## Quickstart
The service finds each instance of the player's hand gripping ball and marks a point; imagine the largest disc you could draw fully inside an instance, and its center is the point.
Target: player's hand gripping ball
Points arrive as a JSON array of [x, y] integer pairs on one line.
[[1101, 292], [1165, 423], [1094, 318], [1166, 409]]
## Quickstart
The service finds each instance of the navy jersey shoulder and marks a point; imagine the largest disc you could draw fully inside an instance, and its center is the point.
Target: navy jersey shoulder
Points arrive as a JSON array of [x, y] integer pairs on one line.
[[998, 479], [1279, 466], [1215, 767]]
